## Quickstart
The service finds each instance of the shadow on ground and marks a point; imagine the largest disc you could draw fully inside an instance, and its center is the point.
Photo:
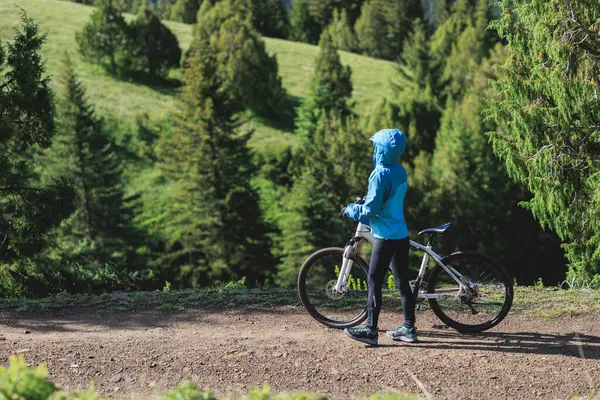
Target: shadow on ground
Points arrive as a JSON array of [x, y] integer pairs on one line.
[[85, 320], [570, 344]]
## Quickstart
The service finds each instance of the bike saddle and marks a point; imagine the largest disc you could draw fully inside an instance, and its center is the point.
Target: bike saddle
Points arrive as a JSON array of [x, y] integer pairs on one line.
[[438, 230]]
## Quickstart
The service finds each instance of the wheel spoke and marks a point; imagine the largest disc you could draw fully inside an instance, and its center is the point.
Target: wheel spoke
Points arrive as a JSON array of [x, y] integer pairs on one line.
[[319, 276], [486, 300]]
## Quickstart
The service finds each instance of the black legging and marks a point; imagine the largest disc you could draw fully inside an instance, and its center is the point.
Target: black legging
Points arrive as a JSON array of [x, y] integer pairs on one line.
[[384, 252]]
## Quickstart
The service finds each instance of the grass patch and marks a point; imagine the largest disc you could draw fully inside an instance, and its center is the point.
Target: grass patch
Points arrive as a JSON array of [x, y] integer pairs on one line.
[[173, 300], [124, 99], [170, 307], [529, 301], [552, 302]]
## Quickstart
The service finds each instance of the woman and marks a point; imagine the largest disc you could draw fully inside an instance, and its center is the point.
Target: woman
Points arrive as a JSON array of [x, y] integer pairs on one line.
[[384, 209]]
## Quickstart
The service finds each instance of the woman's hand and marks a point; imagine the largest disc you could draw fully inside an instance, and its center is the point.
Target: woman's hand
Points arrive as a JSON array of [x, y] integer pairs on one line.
[[342, 212]]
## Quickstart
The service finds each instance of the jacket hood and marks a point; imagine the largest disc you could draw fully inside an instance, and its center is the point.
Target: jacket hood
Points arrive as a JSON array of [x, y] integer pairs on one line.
[[389, 144]]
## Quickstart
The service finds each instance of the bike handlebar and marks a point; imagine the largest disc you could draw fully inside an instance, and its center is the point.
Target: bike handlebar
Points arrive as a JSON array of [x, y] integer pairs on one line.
[[359, 200]]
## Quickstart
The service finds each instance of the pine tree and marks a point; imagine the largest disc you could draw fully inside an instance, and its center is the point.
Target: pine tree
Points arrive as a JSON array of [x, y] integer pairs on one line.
[[341, 31], [336, 167], [414, 89], [212, 219], [303, 26], [330, 90], [103, 40], [27, 111], [86, 155], [548, 117]]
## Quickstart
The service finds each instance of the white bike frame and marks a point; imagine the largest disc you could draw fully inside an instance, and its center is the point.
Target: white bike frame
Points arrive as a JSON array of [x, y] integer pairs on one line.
[[363, 231]]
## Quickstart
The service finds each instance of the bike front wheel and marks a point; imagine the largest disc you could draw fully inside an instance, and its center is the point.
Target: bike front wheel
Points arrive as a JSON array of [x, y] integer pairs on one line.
[[486, 302], [316, 282]]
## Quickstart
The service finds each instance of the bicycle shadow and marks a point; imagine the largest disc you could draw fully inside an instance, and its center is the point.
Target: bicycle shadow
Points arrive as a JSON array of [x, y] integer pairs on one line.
[[572, 344]]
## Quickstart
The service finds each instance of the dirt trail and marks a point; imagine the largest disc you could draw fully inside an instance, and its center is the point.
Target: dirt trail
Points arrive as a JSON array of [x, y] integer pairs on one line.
[[139, 355]]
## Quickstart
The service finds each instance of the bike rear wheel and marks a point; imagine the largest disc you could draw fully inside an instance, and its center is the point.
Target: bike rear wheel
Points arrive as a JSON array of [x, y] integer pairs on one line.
[[485, 306], [316, 281]]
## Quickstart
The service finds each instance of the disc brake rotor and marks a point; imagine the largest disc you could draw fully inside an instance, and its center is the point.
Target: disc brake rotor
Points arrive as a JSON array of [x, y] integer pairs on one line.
[[331, 293]]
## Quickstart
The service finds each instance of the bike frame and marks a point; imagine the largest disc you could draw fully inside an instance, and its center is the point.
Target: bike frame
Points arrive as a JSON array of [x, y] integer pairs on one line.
[[363, 231]]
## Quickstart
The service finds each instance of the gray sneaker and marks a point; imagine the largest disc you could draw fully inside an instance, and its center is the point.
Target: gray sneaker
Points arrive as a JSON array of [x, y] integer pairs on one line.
[[363, 334], [403, 333]]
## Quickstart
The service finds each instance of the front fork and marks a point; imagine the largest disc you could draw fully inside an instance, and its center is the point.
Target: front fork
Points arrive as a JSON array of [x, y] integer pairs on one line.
[[351, 246]]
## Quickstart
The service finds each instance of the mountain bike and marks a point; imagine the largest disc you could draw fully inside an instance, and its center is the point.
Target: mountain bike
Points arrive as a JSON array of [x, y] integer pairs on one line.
[[467, 290]]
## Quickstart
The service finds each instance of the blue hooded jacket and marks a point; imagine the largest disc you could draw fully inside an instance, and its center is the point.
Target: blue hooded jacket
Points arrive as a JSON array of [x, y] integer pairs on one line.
[[384, 204]]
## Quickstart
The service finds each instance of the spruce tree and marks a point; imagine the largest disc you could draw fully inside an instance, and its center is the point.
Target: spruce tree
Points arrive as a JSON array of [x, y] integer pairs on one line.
[[548, 117], [211, 220], [414, 88], [437, 12], [335, 170], [27, 110], [341, 31], [413, 9], [382, 114], [372, 30], [303, 27], [447, 32], [86, 155], [185, 11], [471, 187], [471, 46], [330, 90], [383, 26], [323, 10]]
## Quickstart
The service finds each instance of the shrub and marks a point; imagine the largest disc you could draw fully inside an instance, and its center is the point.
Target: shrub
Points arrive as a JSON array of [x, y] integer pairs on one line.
[[21, 382], [155, 48], [103, 40], [579, 278], [189, 391], [146, 45], [248, 72]]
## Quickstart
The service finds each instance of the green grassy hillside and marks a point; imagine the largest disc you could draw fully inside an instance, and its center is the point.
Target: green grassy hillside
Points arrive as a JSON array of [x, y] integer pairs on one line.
[[61, 19]]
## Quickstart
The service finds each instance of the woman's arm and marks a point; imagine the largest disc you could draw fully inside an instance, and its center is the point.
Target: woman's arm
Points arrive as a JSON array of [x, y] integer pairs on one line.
[[373, 201]]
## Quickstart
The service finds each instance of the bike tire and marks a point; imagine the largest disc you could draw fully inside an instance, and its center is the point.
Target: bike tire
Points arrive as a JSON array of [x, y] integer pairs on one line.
[[305, 298], [501, 273]]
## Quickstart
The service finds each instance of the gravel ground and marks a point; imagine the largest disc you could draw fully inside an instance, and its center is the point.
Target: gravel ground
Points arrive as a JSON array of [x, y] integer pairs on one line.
[[143, 354]]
